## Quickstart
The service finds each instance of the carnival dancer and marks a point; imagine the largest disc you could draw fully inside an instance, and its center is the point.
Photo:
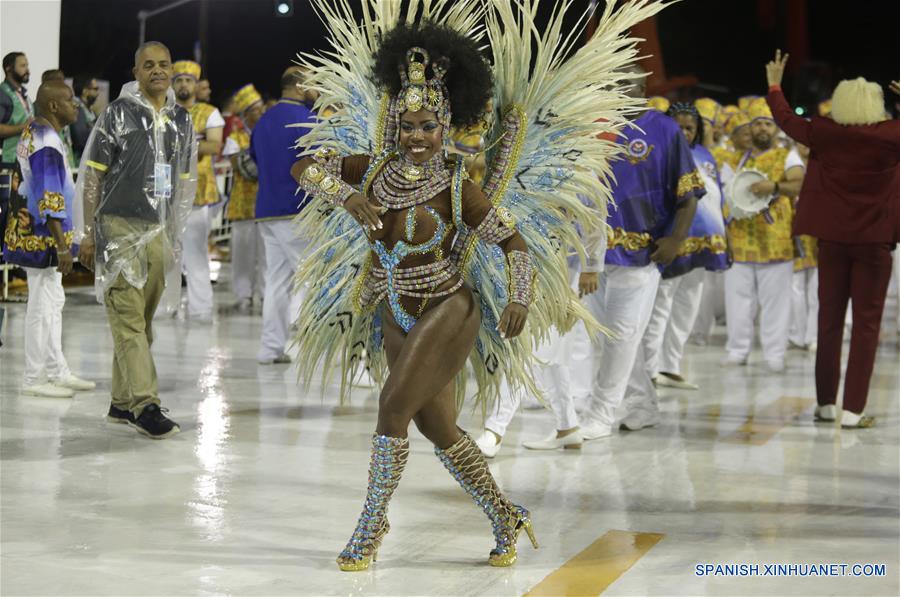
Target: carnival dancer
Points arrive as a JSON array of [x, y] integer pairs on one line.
[[39, 238], [248, 257], [704, 250], [429, 265], [208, 126], [763, 249], [656, 190]]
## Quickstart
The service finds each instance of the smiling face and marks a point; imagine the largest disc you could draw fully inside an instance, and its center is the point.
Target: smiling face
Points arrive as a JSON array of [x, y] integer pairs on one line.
[[153, 70], [420, 135]]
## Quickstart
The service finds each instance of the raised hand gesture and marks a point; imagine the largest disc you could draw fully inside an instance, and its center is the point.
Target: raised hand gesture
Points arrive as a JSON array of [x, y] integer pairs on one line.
[[775, 68]]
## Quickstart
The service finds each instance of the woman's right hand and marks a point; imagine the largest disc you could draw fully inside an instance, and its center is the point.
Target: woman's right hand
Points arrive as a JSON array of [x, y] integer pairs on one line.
[[364, 212]]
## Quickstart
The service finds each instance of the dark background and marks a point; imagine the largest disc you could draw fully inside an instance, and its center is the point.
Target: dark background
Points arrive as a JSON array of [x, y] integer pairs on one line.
[[723, 43]]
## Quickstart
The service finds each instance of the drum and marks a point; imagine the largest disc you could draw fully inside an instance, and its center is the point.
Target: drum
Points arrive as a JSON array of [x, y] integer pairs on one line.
[[742, 202]]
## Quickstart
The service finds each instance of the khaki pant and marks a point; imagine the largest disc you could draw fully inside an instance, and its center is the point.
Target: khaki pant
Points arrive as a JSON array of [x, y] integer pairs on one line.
[[130, 312]]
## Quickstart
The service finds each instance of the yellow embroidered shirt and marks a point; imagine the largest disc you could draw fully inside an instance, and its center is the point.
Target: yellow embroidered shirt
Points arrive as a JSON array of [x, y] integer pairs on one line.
[[766, 237], [205, 116]]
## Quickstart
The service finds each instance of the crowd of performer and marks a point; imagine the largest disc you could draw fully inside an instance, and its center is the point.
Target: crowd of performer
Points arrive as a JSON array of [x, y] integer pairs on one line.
[[671, 190]]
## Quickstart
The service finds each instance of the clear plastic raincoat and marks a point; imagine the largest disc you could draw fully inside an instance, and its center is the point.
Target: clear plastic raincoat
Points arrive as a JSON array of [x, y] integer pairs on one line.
[[137, 180]]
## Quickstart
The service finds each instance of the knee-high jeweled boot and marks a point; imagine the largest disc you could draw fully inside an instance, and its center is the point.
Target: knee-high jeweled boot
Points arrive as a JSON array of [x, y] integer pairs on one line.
[[389, 456], [466, 463]]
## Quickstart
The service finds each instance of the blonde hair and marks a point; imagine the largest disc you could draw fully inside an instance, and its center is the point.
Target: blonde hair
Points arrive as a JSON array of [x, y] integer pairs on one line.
[[857, 101]]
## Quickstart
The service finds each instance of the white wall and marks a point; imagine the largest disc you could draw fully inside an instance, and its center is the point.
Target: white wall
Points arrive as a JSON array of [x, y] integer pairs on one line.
[[20, 21]]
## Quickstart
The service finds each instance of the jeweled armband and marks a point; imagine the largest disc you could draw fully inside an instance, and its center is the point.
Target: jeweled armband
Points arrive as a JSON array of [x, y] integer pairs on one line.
[[497, 226], [521, 277], [317, 181]]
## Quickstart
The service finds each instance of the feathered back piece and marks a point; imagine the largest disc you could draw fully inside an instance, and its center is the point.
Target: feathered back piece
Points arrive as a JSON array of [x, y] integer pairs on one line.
[[548, 154]]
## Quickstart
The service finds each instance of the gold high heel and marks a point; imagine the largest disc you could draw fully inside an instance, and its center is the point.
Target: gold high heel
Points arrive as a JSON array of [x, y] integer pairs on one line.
[[523, 522], [466, 463], [389, 456]]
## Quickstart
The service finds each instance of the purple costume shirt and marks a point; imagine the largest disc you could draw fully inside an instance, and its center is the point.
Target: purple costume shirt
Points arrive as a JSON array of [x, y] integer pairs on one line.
[[656, 174]]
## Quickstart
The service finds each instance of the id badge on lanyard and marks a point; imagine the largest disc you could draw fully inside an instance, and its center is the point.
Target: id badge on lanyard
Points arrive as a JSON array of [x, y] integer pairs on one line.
[[162, 181]]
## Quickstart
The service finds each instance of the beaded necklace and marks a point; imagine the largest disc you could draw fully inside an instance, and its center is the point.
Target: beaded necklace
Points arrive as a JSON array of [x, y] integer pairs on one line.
[[403, 183]]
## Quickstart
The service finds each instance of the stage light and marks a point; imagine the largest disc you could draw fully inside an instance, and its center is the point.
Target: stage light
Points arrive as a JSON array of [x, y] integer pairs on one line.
[[799, 110], [284, 8]]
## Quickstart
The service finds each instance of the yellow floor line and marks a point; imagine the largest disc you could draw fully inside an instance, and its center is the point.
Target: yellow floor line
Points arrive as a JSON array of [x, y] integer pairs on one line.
[[772, 418], [598, 566]]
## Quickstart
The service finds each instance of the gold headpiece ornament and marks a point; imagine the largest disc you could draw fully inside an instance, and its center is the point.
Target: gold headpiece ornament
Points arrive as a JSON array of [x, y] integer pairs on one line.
[[658, 102], [418, 92], [708, 108], [744, 101], [737, 120], [187, 68], [245, 97], [759, 108], [725, 114]]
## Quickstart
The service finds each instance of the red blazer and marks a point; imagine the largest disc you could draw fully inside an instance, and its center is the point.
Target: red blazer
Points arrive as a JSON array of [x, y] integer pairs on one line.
[[851, 191]]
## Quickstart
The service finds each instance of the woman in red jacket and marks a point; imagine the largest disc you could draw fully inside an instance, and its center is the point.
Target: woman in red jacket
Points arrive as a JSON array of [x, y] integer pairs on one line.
[[850, 201]]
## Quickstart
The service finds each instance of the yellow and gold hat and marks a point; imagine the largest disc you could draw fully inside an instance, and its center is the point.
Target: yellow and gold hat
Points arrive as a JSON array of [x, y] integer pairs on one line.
[[187, 68], [708, 108], [825, 108], [658, 102], [759, 108], [726, 113], [737, 120], [245, 97], [744, 101]]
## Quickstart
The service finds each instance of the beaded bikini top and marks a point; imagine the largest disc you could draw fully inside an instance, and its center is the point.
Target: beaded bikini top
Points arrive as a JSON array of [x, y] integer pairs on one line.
[[399, 183], [402, 183]]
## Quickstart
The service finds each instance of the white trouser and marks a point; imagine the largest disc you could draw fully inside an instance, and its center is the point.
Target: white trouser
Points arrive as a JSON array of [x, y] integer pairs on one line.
[[44, 360], [804, 307], [248, 260], [283, 250], [674, 311], [766, 287], [552, 376], [623, 304], [195, 252], [712, 305]]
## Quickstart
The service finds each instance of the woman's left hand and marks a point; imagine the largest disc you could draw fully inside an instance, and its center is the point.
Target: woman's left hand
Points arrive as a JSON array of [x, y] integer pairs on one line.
[[775, 68], [513, 320]]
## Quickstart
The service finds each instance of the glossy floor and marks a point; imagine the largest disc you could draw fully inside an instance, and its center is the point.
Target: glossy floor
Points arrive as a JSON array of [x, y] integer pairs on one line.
[[261, 489]]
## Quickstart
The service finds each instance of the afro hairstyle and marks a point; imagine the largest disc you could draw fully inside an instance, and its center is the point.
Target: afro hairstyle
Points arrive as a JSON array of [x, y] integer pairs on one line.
[[468, 79]]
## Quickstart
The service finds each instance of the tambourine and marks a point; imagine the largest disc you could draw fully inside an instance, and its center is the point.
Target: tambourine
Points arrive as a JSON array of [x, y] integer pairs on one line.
[[742, 202]]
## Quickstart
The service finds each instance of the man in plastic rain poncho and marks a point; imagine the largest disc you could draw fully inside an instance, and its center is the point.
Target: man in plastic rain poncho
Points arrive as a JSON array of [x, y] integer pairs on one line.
[[136, 185]]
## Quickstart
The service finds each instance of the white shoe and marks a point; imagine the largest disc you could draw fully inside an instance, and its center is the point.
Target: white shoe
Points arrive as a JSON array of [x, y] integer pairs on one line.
[[488, 444], [569, 442], [732, 361], [595, 431], [851, 420], [75, 383], [825, 413], [671, 380], [281, 359], [48, 390], [775, 366], [244, 306], [364, 379], [639, 419]]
